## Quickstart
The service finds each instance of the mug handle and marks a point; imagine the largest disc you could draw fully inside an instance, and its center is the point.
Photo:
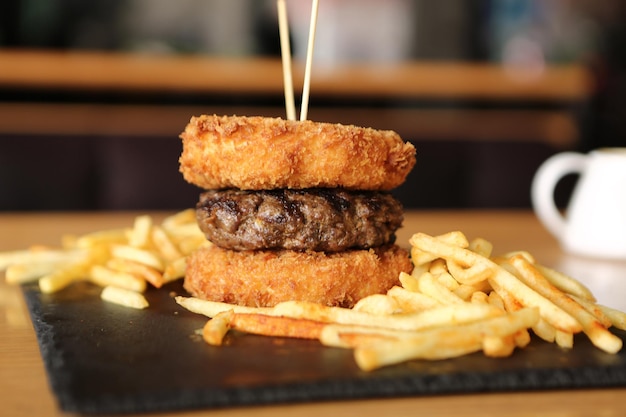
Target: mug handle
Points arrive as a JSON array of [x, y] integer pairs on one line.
[[543, 185]]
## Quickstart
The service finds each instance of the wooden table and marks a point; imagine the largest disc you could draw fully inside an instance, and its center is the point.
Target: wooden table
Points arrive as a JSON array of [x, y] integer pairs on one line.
[[97, 71], [24, 389]]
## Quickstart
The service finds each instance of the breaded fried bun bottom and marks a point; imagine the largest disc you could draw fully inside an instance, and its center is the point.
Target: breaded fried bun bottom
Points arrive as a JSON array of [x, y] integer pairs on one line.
[[266, 278], [263, 153]]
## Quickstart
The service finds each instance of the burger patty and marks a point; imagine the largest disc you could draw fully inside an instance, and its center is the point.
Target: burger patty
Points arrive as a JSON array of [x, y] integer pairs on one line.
[[328, 220]]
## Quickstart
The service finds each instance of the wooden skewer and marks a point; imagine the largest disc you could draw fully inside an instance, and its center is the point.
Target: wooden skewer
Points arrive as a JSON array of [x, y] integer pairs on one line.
[[309, 61], [285, 47]]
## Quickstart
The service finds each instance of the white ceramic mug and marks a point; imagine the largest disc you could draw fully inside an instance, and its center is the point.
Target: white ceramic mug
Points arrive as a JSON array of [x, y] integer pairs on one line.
[[594, 223]]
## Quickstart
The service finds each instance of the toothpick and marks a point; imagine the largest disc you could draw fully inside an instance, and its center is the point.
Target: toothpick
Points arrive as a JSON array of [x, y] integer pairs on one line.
[[309, 61], [285, 47]]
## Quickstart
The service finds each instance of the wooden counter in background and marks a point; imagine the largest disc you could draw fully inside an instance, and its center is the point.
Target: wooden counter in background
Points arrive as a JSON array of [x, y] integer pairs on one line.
[[132, 72], [98, 73]]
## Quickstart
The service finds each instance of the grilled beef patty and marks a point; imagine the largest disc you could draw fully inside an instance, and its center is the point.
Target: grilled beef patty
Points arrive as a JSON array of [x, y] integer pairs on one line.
[[329, 220]]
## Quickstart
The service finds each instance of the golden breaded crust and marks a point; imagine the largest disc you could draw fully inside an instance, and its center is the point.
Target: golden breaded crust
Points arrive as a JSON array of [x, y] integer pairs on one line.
[[260, 153], [265, 278]]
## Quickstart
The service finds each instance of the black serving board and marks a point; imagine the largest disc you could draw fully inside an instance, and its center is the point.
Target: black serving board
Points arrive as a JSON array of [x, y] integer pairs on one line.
[[103, 358]]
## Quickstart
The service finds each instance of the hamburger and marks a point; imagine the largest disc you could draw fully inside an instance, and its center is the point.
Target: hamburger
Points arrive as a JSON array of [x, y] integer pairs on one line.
[[294, 210]]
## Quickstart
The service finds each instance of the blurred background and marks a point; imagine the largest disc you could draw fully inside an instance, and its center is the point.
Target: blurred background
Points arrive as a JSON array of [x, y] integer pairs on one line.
[[93, 94]]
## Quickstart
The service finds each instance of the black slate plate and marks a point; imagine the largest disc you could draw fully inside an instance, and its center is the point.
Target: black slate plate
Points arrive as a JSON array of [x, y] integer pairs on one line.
[[102, 358]]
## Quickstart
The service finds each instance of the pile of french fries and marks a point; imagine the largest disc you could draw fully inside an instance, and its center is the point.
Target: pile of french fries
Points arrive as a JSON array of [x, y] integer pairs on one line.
[[124, 262], [459, 299]]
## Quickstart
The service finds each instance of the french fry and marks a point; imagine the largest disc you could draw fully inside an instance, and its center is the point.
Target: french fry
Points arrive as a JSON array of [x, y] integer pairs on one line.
[[444, 342], [522, 338], [138, 270], [409, 282], [216, 328], [418, 270], [447, 314], [325, 314], [178, 219], [411, 301], [354, 336], [378, 304], [564, 339], [525, 254], [445, 279], [189, 244], [185, 231], [141, 256], [376, 356], [124, 297], [479, 297], [565, 283], [597, 333], [28, 272], [510, 304], [496, 300], [103, 277], [505, 282], [617, 318], [277, 326], [454, 238], [472, 275], [545, 330], [63, 277], [498, 347], [100, 238], [438, 266], [175, 270], [593, 309], [36, 256], [168, 251], [464, 265], [349, 336], [213, 308], [436, 247], [481, 246], [464, 291], [420, 256], [359, 336], [139, 236], [430, 286]]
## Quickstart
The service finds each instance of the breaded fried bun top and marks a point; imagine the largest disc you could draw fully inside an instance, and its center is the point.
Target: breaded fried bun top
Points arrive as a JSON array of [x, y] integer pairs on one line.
[[260, 153]]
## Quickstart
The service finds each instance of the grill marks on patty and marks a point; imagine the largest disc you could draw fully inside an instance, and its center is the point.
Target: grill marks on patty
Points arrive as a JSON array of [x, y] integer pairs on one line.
[[329, 220]]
